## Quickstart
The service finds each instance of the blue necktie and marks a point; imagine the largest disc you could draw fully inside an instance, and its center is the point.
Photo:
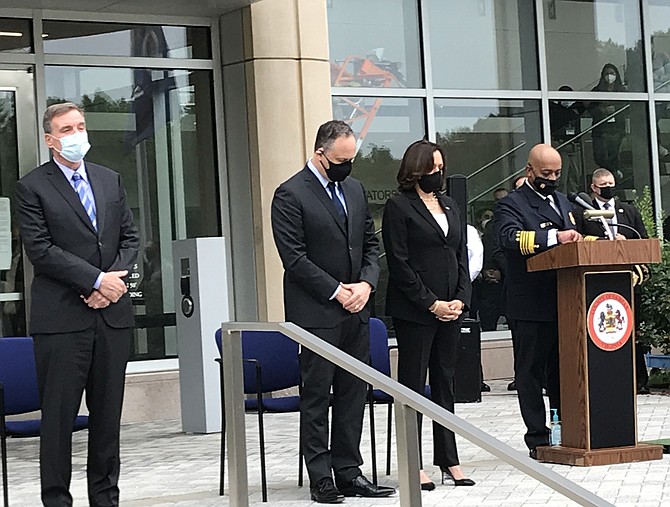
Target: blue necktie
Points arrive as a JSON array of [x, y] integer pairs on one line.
[[336, 201], [85, 196]]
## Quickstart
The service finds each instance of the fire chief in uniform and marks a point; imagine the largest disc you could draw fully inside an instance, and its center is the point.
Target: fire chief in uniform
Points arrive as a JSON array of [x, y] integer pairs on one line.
[[528, 221]]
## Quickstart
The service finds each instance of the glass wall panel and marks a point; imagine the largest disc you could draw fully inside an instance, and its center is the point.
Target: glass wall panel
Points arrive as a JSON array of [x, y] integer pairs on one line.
[[16, 35], [659, 27], [155, 128], [483, 45], [487, 141], [613, 135], [663, 130], [384, 128], [587, 40], [114, 39], [374, 43]]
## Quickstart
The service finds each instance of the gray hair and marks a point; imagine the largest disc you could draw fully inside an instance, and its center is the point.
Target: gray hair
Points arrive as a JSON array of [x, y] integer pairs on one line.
[[55, 110], [329, 132], [600, 173]]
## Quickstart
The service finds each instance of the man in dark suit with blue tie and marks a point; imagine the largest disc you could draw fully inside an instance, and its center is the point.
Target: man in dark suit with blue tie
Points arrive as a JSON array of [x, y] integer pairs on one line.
[[78, 233], [530, 220], [325, 236]]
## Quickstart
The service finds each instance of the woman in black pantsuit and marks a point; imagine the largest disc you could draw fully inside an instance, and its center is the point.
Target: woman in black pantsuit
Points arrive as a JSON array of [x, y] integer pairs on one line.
[[428, 288]]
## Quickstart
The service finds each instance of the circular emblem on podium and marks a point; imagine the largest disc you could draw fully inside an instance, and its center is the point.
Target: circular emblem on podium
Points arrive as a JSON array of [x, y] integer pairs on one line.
[[610, 321]]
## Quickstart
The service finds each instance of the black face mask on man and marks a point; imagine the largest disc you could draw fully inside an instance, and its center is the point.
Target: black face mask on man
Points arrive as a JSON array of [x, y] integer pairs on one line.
[[607, 192], [430, 183], [337, 172], [545, 186]]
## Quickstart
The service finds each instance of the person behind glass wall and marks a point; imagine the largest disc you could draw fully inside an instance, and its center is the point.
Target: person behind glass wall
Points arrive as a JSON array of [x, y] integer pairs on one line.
[[488, 287], [528, 221], [565, 123], [517, 183], [325, 236], [428, 288], [78, 233], [609, 121], [603, 189]]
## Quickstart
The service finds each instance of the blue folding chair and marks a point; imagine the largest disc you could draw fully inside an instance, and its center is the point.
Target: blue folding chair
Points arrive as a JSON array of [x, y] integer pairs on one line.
[[270, 364], [19, 394]]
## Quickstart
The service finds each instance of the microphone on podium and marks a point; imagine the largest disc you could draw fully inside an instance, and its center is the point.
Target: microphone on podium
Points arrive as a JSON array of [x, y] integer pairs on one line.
[[590, 213]]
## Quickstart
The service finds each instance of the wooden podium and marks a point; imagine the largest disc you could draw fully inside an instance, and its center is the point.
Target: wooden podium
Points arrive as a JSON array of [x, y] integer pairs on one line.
[[597, 350]]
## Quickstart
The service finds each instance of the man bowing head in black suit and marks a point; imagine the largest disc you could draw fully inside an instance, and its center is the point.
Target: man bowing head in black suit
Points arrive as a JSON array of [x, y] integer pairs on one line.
[[325, 236], [79, 235]]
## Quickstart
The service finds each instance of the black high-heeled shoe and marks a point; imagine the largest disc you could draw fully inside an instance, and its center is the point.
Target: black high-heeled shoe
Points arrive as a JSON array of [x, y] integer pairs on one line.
[[447, 476], [428, 486]]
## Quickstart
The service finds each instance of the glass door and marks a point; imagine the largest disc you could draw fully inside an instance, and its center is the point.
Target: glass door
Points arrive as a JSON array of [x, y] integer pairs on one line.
[[18, 156]]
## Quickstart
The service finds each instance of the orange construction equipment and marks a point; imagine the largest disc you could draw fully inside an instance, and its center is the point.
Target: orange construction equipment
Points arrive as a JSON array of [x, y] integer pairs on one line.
[[357, 71]]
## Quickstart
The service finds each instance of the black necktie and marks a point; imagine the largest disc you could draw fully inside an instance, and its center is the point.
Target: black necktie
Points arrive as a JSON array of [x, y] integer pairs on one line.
[[332, 188]]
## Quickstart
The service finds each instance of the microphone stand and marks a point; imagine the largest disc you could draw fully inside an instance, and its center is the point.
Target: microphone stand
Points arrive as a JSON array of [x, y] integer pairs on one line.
[[606, 226]]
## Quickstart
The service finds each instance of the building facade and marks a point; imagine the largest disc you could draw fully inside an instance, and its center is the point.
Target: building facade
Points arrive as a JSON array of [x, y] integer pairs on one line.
[[205, 107]]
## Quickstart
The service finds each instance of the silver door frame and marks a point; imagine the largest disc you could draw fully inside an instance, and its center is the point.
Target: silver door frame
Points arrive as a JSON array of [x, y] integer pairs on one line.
[[20, 80]]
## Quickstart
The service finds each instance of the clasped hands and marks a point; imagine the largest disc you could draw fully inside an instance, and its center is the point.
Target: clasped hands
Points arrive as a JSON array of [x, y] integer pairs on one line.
[[354, 296], [112, 287], [447, 310]]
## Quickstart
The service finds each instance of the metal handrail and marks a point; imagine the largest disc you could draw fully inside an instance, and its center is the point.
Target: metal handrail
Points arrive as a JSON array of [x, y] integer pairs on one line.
[[407, 404]]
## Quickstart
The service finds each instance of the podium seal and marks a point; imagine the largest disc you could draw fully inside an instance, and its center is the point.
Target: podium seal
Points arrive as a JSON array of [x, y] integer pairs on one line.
[[610, 321]]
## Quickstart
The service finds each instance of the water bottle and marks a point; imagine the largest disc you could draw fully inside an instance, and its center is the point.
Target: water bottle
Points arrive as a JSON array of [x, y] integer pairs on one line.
[[555, 428]]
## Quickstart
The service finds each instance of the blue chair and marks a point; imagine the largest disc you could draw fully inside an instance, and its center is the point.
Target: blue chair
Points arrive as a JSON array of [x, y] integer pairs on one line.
[[380, 361], [19, 395], [270, 364]]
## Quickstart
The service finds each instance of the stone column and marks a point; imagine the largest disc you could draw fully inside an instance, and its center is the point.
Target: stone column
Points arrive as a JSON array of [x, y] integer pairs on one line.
[[277, 92]]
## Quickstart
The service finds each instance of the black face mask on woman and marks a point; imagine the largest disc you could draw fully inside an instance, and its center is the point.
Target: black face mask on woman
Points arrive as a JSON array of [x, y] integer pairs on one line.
[[430, 183], [338, 172]]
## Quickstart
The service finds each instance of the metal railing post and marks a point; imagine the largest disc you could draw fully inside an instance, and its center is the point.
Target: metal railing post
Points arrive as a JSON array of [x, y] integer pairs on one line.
[[407, 441], [236, 440]]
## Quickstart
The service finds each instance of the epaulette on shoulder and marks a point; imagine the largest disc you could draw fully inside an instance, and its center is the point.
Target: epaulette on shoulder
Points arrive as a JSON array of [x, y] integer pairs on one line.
[[526, 240]]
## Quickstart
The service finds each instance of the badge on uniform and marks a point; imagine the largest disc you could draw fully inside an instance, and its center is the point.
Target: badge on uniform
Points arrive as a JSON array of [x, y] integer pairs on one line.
[[572, 218], [544, 225]]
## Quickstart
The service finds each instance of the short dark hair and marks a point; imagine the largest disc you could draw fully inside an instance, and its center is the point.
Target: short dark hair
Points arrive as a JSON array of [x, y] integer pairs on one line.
[[416, 162], [331, 131]]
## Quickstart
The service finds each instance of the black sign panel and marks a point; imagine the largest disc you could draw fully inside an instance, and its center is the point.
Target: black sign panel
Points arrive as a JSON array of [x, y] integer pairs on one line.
[[610, 328]]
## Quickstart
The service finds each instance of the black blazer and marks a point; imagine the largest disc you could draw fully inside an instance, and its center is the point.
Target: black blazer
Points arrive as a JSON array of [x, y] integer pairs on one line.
[[67, 253], [625, 214], [424, 265], [318, 252]]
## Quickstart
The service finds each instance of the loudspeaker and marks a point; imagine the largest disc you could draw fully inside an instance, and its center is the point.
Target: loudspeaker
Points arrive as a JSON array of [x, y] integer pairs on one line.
[[457, 189], [468, 377]]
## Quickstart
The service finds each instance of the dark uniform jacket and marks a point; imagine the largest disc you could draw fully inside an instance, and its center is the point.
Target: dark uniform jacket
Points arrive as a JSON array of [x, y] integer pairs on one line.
[[625, 214], [522, 221], [424, 265], [318, 251]]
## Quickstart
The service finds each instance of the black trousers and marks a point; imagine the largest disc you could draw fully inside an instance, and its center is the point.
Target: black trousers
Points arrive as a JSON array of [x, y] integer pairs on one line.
[[343, 457], [435, 347], [536, 352], [95, 360]]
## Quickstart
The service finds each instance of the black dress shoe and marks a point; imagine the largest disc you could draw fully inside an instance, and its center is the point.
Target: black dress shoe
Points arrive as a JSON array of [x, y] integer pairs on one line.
[[447, 476], [511, 386], [643, 390], [532, 454], [326, 492], [360, 486], [485, 388]]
